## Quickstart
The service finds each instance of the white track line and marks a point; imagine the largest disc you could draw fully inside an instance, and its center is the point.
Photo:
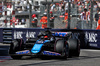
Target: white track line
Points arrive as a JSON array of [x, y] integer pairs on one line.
[[90, 50]]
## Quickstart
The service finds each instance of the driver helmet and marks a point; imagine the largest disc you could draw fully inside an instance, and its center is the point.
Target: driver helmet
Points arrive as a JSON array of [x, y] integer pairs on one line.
[[45, 36]]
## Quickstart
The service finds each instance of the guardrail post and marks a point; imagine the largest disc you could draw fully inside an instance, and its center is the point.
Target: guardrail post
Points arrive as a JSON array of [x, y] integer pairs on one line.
[[48, 16], [91, 15], [30, 15], [69, 9]]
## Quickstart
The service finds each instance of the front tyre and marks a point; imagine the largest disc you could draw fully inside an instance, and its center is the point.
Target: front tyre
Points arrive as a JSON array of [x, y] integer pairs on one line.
[[14, 47], [62, 48]]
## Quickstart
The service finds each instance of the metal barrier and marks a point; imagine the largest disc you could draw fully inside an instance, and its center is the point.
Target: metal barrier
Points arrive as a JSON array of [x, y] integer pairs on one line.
[[88, 38], [7, 35]]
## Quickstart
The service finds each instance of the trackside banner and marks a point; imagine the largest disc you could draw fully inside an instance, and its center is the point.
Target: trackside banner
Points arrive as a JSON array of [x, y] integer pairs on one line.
[[88, 38]]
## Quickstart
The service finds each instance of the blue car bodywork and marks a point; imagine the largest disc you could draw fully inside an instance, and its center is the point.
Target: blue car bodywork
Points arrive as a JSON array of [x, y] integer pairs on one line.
[[49, 44], [39, 44]]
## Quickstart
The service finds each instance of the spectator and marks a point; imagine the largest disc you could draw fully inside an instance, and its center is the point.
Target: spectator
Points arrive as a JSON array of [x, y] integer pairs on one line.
[[66, 5], [83, 14], [96, 17], [51, 20], [98, 3], [63, 7], [43, 20], [66, 18], [17, 21], [25, 2], [79, 9], [88, 15], [34, 21], [83, 5], [52, 7], [95, 5], [83, 18], [23, 21], [60, 4], [98, 27]]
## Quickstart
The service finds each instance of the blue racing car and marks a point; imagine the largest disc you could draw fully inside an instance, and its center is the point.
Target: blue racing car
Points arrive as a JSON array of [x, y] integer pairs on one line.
[[47, 43]]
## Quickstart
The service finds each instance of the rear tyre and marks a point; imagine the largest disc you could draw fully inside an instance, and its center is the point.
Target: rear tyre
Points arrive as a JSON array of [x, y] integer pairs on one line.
[[62, 48], [74, 47], [77, 52]]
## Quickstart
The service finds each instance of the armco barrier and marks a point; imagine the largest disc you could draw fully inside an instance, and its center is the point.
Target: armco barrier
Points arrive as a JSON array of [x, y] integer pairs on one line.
[[4, 49], [88, 38], [7, 35]]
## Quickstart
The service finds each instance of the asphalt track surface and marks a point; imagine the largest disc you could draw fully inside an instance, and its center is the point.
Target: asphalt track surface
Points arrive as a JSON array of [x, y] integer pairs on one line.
[[88, 57]]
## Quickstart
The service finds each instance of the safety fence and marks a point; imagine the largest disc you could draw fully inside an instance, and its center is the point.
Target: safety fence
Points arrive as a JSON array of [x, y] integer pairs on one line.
[[88, 38], [76, 18]]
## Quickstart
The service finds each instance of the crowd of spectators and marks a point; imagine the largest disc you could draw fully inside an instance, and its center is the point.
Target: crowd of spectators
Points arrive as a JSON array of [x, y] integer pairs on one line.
[[83, 9], [21, 5]]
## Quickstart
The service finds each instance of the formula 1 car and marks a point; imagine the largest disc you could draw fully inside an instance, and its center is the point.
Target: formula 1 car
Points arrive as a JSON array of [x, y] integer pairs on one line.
[[48, 43]]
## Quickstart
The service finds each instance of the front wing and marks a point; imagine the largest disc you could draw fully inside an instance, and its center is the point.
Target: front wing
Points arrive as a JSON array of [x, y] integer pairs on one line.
[[28, 52]]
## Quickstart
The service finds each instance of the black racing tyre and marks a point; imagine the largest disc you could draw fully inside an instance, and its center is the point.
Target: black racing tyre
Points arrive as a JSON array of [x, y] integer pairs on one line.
[[74, 47], [62, 48], [77, 52], [14, 47]]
